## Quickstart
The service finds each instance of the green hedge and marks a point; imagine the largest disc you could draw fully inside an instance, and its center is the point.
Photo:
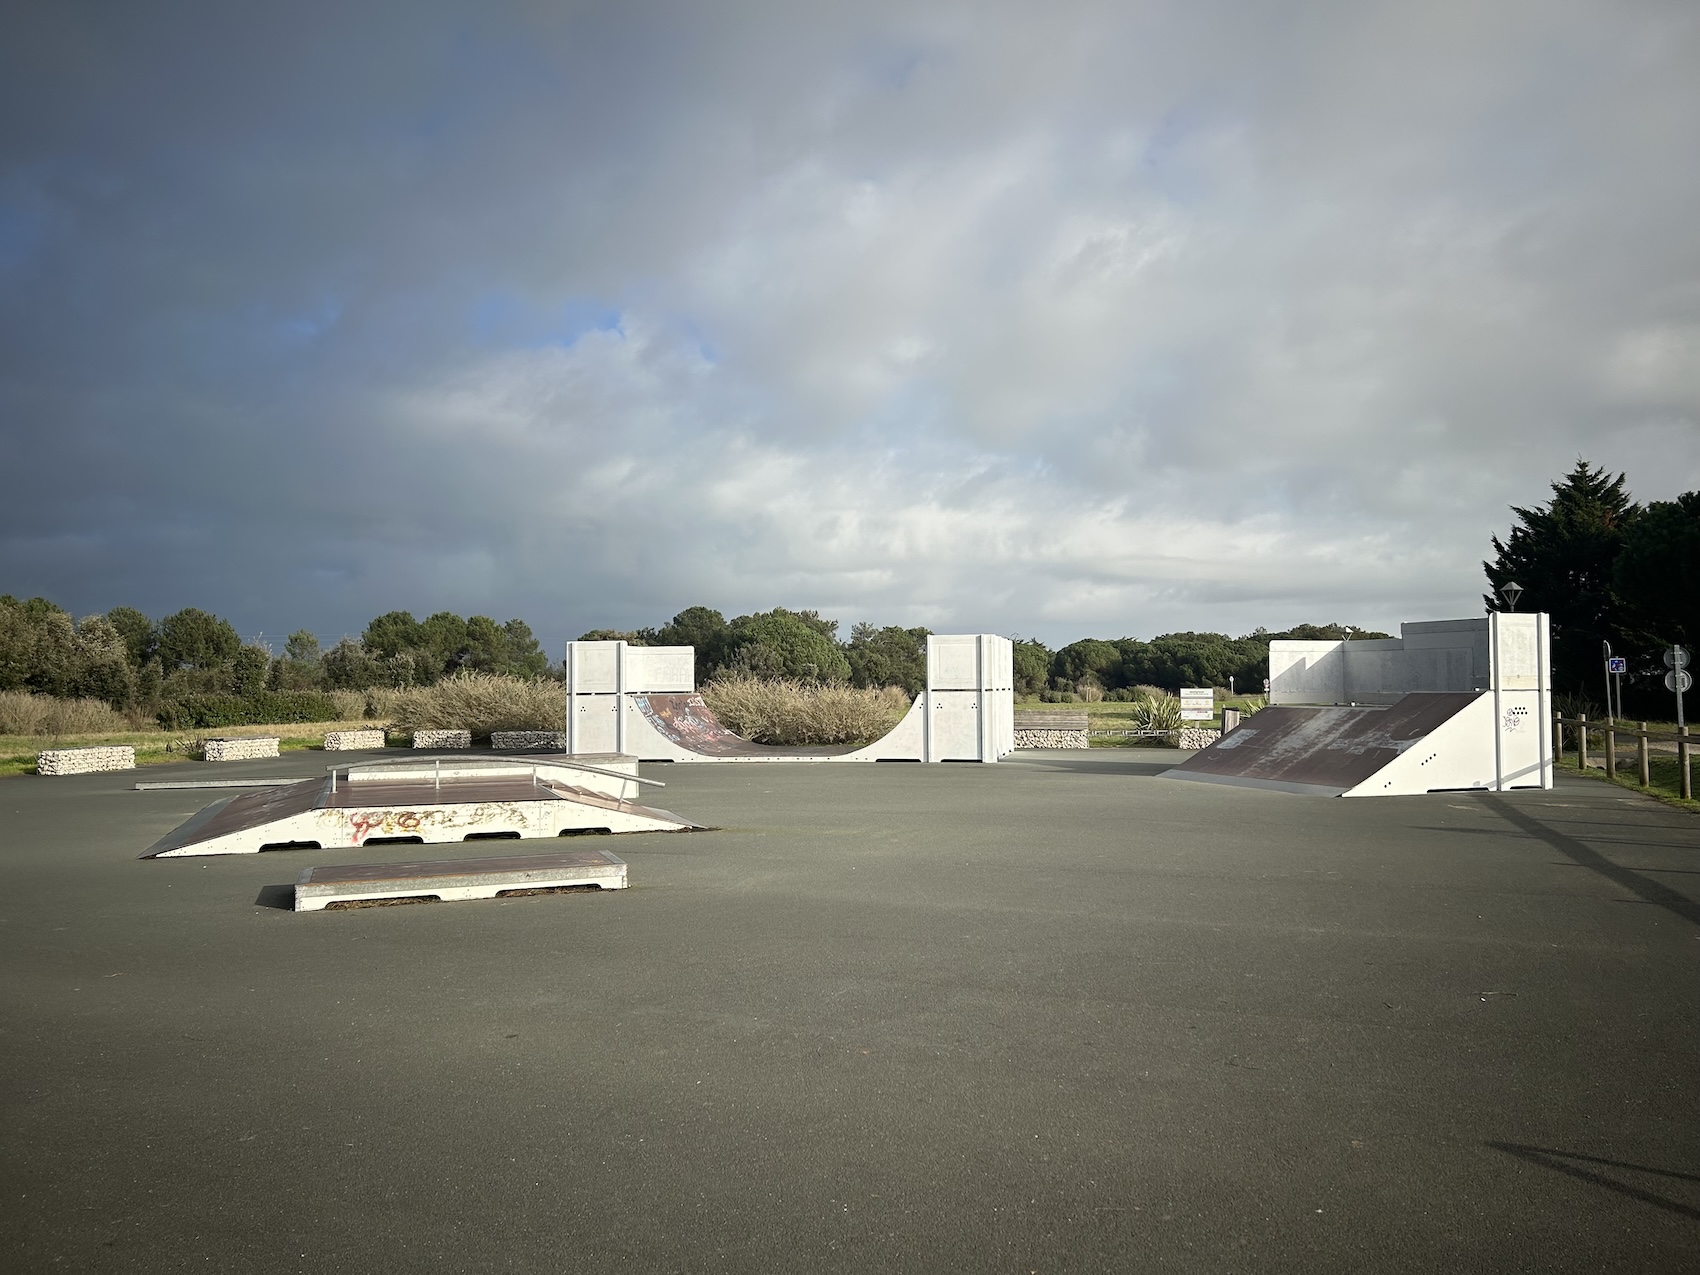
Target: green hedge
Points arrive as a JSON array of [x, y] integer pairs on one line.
[[194, 712]]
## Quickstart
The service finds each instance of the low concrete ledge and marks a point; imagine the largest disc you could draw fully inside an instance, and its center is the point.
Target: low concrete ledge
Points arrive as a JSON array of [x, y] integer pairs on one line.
[[85, 761], [554, 740], [442, 739], [239, 749], [340, 741], [451, 879]]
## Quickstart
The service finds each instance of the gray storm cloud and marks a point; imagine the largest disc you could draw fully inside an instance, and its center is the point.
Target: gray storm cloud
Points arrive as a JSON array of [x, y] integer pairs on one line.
[[1058, 320]]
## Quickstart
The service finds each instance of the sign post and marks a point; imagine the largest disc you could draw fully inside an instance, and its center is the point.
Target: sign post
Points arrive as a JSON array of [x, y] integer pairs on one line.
[[1679, 679]]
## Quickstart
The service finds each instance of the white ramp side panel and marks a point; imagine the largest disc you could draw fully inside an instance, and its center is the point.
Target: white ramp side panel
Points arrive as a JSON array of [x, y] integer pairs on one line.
[[1457, 754]]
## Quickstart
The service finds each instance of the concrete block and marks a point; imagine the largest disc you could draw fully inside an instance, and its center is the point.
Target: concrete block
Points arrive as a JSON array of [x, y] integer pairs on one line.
[[442, 739], [85, 761], [337, 741], [457, 879], [1195, 738], [552, 740], [239, 749]]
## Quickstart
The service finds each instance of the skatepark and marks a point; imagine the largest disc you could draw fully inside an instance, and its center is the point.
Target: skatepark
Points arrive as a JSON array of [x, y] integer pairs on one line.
[[1057, 1013]]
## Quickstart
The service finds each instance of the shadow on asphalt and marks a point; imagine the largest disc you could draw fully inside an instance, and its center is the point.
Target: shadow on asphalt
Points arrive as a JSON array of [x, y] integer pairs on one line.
[[281, 897], [1655, 892], [1571, 1164], [1118, 766]]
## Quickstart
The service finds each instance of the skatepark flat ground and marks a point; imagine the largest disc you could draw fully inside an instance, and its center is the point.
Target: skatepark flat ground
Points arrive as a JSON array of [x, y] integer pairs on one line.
[[1054, 1014]]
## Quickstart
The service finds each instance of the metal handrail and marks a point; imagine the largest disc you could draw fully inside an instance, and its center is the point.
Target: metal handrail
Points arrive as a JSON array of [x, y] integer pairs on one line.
[[516, 762]]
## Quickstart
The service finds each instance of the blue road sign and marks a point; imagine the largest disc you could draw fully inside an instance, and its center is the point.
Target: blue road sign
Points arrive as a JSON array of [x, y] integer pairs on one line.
[[1617, 664]]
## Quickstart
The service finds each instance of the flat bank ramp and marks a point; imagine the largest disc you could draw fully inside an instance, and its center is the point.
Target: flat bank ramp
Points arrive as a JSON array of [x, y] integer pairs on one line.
[[426, 808], [1424, 742]]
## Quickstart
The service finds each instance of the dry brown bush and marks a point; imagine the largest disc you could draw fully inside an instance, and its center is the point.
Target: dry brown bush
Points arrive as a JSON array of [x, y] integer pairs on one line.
[[22, 713], [480, 703], [803, 713]]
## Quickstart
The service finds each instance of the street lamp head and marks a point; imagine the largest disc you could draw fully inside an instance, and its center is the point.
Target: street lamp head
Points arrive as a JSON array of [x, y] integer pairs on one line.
[[1511, 592]]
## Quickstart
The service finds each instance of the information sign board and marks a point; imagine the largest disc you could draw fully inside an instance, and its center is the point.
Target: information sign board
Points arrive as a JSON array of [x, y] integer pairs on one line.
[[1198, 703], [1617, 664]]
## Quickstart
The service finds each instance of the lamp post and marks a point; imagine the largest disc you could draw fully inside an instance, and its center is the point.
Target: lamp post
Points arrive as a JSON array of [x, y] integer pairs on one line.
[[1511, 592]]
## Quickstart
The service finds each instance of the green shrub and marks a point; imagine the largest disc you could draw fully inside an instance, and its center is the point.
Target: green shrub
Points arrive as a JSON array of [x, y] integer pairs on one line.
[[1157, 713], [193, 712], [481, 703], [24, 714], [799, 714]]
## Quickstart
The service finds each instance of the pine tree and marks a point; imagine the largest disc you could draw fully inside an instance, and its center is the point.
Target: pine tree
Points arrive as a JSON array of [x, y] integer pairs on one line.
[[1562, 555]]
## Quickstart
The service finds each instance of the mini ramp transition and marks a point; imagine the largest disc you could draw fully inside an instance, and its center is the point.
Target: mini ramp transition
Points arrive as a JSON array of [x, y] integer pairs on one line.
[[642, 701], [1448, 705]]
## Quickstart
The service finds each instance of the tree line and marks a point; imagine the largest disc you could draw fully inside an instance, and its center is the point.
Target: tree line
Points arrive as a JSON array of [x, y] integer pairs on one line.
[[191, 668], [800, 644], [1605, 569]]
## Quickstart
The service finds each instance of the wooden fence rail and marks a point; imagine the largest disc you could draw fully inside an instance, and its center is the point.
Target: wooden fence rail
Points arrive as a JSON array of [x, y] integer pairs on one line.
[[1580, 728]]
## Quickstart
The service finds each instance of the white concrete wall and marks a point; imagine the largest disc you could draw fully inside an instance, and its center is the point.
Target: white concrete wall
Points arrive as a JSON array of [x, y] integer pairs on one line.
[[1437, 655]]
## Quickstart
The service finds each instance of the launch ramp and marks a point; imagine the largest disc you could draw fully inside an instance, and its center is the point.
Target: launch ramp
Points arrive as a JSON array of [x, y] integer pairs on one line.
[[427, 802], [1462, 704], [642, 700]]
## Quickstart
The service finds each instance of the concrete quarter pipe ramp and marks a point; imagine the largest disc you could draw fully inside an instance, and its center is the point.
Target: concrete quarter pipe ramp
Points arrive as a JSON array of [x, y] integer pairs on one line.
[[1453, 705], [642, 700]]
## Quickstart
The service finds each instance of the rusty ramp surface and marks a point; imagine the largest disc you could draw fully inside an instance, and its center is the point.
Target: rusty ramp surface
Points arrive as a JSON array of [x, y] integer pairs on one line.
[[1328, 751], [396, 806], [685, 721]]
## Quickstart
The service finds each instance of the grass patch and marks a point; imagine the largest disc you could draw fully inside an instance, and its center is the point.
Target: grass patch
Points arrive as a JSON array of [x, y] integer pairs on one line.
[[155, 747], [1662, 769]]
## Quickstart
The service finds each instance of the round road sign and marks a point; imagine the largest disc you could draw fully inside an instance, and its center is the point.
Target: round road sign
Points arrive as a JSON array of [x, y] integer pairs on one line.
[[1676, 657], [1679, 681]]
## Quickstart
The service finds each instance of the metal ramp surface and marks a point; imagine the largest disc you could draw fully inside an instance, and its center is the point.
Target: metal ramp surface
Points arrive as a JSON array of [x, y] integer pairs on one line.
[[1424, 742], [426, 802]]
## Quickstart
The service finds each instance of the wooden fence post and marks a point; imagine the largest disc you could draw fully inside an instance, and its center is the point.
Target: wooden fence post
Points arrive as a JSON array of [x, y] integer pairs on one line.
[[1557, 738], [1641, 751], [1581, 741], [1685, 780], [1611, 749]]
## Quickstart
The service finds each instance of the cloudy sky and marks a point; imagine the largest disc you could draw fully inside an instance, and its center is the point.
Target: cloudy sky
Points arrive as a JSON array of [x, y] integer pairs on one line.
[[1053, 319]]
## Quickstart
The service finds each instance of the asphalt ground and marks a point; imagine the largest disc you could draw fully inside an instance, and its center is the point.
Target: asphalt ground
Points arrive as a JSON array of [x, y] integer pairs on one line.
[[1054, 1014]]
